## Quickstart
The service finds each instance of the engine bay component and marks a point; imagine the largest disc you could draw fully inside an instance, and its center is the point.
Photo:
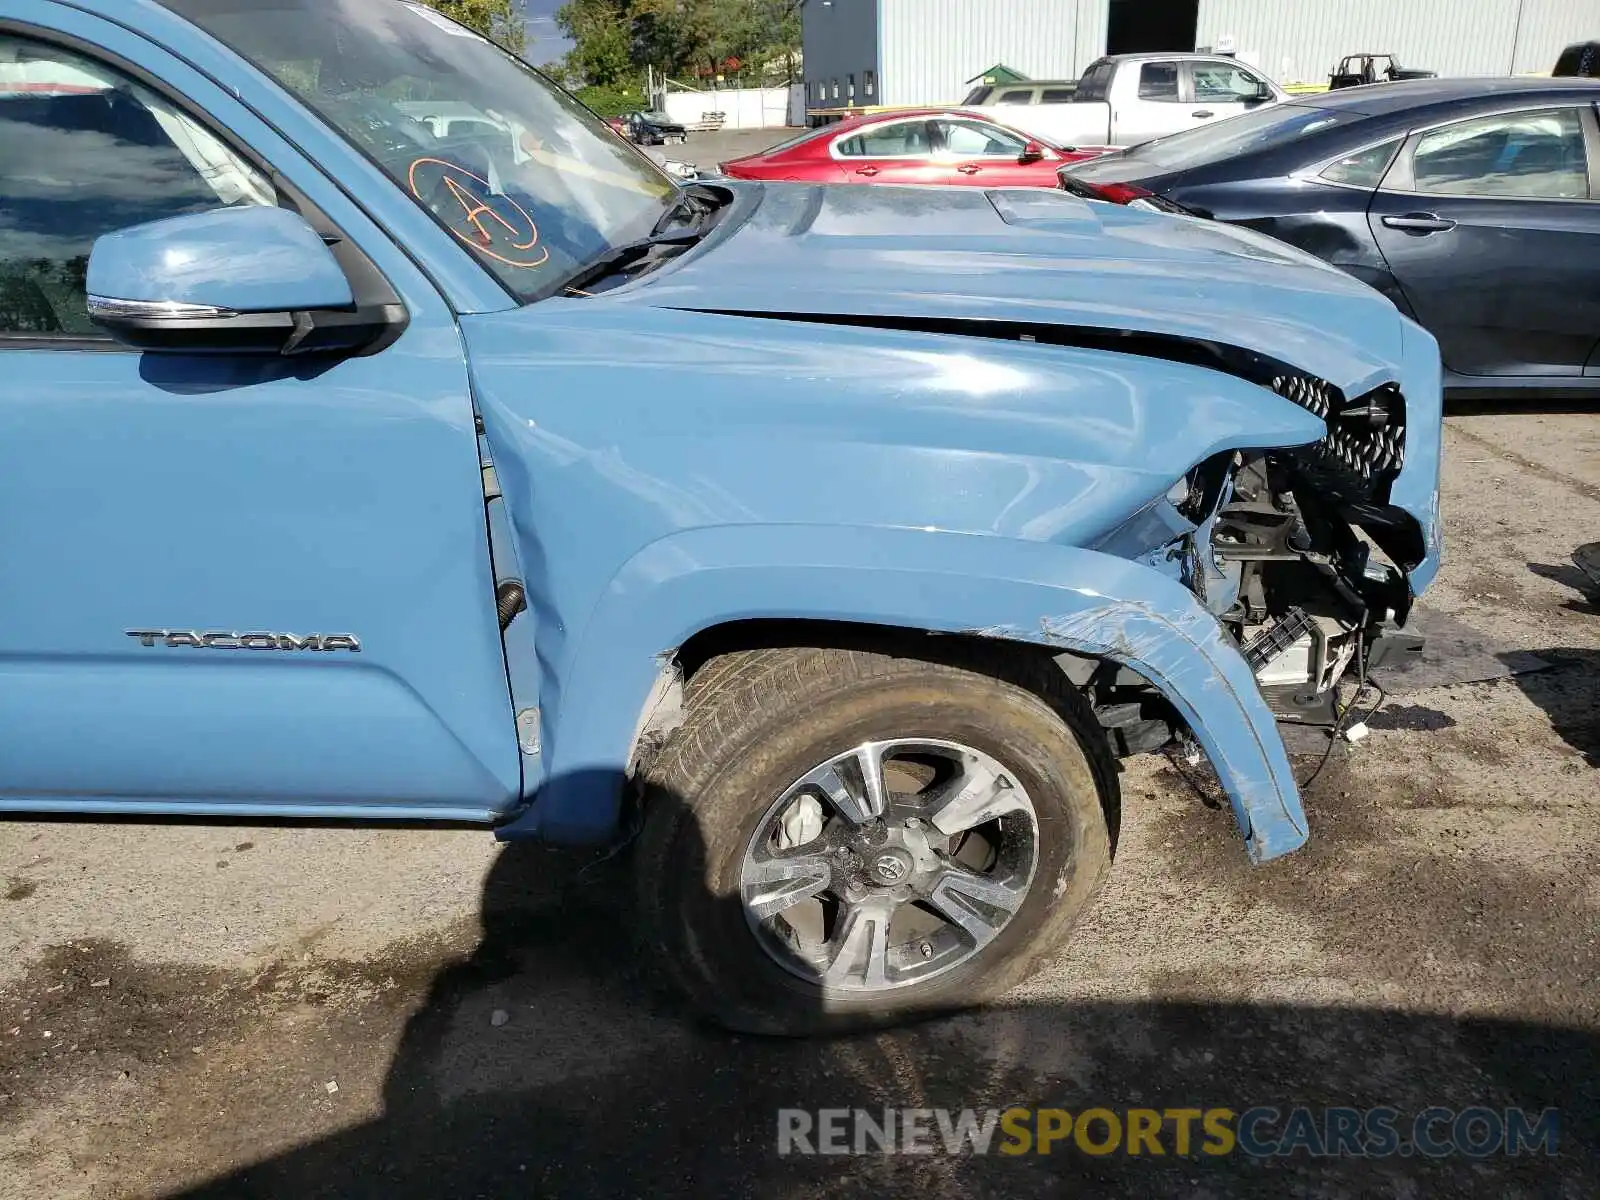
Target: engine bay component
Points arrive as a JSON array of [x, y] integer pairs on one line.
[[1283, 638], [1294, 551]]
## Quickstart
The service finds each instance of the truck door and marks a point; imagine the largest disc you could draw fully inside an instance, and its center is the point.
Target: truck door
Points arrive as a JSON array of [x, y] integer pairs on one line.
[[1147, 103], [1219, 90], [231, 585]]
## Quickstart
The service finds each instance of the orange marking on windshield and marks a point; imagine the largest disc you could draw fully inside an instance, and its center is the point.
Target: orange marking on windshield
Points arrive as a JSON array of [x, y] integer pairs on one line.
[[475, 208], [516, 231]]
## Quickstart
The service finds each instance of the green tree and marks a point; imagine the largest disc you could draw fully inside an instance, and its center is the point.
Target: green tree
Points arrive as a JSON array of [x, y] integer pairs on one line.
[[498, 20], [614, 40], [602, 34]]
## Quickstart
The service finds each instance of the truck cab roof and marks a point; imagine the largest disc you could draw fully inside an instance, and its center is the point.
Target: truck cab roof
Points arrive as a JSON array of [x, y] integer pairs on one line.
[[1168, 56]]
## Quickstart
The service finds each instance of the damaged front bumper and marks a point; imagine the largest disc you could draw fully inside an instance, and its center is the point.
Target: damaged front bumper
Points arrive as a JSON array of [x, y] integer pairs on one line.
[[1171, 641], [1302, 561]]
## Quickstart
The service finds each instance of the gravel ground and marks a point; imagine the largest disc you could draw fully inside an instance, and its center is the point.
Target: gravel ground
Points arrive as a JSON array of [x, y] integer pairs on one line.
[[233, 1010]]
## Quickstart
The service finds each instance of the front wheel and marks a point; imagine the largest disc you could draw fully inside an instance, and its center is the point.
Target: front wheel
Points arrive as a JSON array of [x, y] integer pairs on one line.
[[837, 839]]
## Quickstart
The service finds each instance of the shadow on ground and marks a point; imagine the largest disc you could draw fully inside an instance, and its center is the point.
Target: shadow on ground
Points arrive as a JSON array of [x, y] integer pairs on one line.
[[550, 1063], [1569, 694], [1576, 576]]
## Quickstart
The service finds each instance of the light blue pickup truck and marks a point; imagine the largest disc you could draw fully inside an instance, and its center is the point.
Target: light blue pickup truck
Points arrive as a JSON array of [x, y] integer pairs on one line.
[[832, 543]]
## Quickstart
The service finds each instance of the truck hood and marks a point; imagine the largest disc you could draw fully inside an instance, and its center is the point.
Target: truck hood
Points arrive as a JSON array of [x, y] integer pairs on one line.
[[807, 339], [1031, 256]]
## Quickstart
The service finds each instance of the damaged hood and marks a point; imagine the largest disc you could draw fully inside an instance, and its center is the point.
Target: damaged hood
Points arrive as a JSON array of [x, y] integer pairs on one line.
[[1032, 256]]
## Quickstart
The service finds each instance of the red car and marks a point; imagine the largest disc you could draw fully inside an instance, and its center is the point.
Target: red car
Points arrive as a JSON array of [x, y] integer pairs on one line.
[[929, 146]]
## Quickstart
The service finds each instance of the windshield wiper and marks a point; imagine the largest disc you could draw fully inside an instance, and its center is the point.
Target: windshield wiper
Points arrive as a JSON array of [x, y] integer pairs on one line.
[[694, 209], [619, 257]]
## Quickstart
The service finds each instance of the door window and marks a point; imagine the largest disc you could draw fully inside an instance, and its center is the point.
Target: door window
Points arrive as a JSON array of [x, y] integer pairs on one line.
[[1016, 96], [1057, 96], [904, 139], [1365, 168], [974, 139], [1224, 83], [1096, 82], [1525, 154], [85, 150], [1159, 81]]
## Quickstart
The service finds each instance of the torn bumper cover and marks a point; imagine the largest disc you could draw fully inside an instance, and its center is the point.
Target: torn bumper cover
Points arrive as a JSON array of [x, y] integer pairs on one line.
[[1178, 646]]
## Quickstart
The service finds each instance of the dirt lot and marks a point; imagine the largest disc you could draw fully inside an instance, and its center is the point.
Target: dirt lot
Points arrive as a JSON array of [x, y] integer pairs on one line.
[[708, 149], [277, 1011]]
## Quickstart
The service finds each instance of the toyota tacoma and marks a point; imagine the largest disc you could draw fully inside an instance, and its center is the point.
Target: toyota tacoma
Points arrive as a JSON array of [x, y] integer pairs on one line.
[[831, 544]]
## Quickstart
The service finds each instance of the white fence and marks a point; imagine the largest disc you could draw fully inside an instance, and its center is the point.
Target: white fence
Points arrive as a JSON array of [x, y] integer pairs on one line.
[[741, 108]]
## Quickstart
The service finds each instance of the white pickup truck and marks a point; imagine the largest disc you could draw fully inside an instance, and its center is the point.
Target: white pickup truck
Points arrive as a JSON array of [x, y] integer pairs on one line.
[[1126, 99]]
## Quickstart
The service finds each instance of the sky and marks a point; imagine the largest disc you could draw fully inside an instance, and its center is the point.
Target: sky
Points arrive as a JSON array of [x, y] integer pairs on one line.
[[545, 43]]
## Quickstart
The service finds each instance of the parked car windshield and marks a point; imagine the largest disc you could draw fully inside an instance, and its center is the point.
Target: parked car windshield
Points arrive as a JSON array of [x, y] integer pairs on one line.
[[1244, 134], [510, 164]]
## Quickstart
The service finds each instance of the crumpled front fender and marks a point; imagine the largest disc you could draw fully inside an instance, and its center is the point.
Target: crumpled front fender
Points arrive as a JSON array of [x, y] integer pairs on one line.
[[1049, 595]]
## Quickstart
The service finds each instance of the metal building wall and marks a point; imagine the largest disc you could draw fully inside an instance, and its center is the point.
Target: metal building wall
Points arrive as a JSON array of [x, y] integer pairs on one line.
[[1549, 26], [1299, 41], [839, 40], [1094, 17], [929, 48]]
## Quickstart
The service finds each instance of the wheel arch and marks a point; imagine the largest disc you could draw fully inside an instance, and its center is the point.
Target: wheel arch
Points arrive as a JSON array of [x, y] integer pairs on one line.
[[1027, 665], [704, 589]]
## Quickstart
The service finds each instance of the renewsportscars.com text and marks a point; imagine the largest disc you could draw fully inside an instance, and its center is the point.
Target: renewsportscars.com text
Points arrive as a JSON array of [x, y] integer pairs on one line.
[[1259, 1132]]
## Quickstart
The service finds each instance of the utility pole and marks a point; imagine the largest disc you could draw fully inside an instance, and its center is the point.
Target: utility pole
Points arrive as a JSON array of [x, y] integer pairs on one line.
[[1077, 21], [1516, 38]]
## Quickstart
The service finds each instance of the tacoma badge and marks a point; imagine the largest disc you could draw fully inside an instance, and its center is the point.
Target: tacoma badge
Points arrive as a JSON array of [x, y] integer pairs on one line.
[[246, 641]]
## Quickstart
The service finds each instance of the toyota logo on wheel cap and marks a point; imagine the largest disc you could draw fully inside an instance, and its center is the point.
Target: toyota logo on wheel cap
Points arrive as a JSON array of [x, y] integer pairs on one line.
[[890, 868]]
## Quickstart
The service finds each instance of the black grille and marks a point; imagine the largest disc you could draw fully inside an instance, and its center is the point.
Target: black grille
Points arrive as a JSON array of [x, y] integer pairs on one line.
[[1310, 394]]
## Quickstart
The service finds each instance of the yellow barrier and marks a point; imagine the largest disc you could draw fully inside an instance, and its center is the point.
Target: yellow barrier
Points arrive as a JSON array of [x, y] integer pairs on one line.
[[868, 110]]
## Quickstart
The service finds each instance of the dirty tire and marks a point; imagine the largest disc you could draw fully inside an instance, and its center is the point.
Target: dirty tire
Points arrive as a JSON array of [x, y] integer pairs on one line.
[[758, 720]]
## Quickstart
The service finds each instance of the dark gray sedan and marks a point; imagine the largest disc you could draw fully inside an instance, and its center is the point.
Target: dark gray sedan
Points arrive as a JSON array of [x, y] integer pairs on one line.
[[1471, 203]]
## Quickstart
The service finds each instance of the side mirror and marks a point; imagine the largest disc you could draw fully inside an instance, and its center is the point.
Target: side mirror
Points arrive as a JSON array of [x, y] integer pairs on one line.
[[1031, 153], [1263, 95], [243, 280]]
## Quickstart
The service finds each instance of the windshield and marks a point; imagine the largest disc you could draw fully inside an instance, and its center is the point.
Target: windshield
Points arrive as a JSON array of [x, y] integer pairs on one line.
[[1271, 126], [526, 177]]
